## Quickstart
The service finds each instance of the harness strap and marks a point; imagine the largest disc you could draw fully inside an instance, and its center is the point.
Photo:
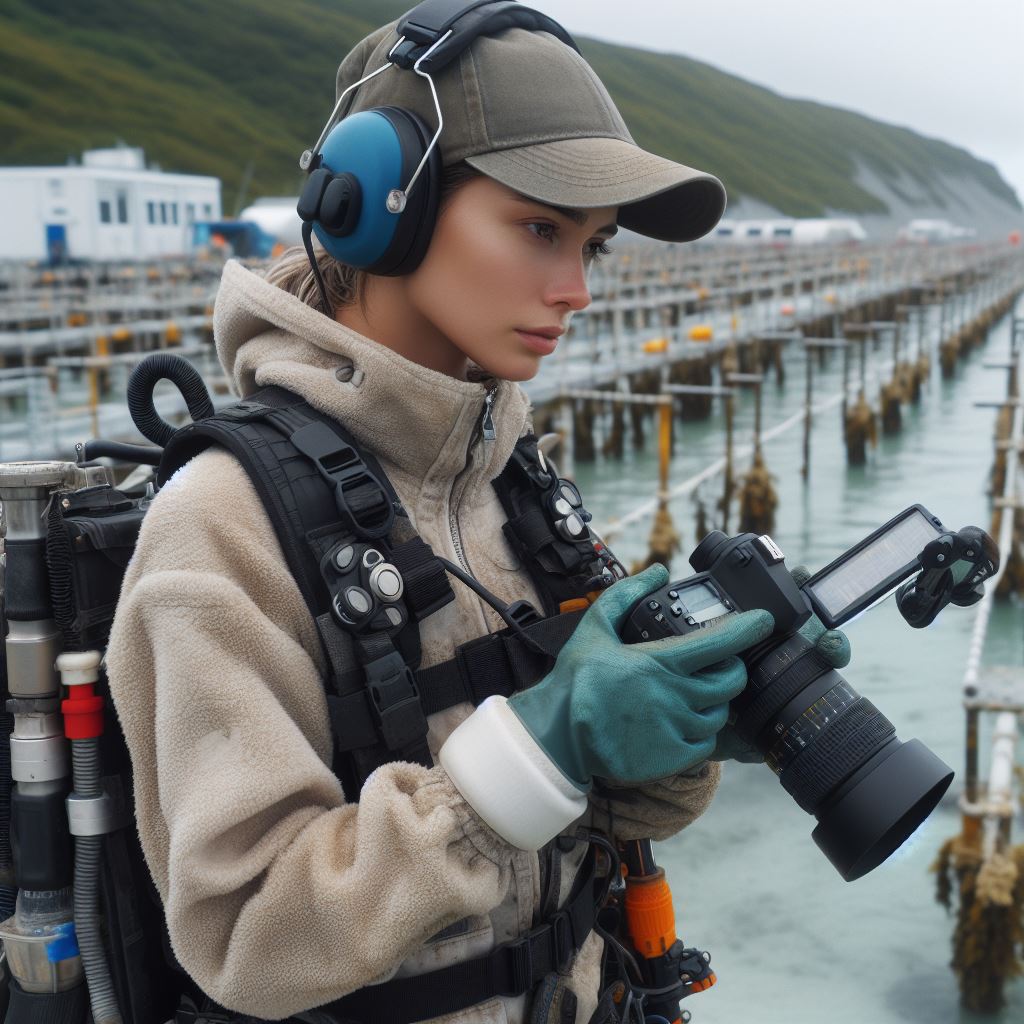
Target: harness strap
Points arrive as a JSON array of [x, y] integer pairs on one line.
[[497, 663], [529, 491], [509, 970]]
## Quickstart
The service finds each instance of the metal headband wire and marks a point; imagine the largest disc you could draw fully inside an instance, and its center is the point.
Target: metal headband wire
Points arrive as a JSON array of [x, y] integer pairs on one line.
[[397, 198], [306, 160]]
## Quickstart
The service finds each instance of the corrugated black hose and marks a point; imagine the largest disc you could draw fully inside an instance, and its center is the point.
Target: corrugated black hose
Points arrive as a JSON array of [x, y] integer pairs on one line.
[[144, 378]]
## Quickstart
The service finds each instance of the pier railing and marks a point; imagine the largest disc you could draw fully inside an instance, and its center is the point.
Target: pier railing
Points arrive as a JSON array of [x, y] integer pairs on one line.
[[981, 870]]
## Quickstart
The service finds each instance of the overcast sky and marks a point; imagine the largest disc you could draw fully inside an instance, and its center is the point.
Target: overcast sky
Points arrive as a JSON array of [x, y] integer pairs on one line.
[[952, 70]]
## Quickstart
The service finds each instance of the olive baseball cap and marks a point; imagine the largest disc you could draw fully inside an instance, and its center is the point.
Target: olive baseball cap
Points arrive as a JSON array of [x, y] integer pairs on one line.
[[528, 111]]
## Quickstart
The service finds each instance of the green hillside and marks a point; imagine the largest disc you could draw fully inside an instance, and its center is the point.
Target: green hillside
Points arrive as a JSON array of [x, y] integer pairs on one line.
[[213, 87]]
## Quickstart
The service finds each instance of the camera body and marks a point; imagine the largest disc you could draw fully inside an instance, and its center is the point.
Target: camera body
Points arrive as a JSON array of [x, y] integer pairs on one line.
[[835, 753], [733, 574]]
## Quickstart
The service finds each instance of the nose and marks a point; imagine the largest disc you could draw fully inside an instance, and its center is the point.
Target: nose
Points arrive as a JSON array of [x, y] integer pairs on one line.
[[568, 286]]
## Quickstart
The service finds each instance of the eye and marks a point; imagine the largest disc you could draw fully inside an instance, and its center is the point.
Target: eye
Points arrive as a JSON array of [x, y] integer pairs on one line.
[[595, 250], [542, 229]]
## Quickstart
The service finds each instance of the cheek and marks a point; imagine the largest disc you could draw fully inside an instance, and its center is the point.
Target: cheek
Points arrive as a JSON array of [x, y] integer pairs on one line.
[[472, 280]]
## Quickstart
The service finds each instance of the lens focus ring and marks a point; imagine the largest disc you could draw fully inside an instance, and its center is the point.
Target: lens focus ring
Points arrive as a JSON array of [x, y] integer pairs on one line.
[[842, 747]]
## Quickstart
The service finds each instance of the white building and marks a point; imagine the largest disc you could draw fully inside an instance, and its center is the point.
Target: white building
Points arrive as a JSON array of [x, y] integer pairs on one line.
[[786, 231], [111, 207]]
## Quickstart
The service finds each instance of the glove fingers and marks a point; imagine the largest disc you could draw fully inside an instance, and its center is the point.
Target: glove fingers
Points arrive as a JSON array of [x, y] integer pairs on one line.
[[696, 690], [611, 607], [834, 647], [801, 574], [704, 724], [731, 635]]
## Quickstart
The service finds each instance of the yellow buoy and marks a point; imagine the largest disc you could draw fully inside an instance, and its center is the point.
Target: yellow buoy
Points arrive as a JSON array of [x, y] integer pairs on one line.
[[172, 333], [701, 332], [121, 334], [656, 345]]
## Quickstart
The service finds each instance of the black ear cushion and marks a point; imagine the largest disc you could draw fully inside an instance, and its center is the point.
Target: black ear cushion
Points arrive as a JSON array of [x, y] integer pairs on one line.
[[416, 222], [341, 205]]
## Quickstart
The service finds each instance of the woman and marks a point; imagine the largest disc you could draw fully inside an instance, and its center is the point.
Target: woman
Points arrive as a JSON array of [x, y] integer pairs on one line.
[[280, 895]]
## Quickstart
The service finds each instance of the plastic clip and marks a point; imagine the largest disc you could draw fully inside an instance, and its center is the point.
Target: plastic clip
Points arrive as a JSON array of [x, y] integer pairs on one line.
[[342, 467], [395, 701]]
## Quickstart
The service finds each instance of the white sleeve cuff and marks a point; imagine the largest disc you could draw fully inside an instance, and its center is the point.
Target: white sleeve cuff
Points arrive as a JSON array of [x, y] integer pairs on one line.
[[507, 778]]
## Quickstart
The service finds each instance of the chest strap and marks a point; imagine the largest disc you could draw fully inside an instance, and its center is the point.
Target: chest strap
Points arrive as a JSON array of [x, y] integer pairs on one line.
[[509, 970], [497, 663]]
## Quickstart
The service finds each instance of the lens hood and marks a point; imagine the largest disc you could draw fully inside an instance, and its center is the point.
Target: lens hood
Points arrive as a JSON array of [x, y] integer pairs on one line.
[[880, 807]]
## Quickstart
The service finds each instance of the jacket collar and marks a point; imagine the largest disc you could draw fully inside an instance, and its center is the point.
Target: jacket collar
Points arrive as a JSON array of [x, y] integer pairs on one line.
[[422, 423]]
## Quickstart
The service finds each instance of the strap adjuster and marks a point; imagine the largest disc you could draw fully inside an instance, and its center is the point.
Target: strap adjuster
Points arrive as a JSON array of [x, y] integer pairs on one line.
[[344, 469], [395, 701], [556, 935]]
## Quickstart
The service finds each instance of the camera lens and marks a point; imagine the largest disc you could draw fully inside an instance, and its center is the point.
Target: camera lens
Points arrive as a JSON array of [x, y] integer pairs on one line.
[[837, 755]]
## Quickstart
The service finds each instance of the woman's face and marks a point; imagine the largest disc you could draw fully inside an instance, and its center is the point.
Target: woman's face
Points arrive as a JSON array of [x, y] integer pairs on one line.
[[499, 283]]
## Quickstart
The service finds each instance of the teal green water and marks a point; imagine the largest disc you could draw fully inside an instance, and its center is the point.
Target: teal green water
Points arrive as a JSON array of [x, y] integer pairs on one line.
[[790, 941]]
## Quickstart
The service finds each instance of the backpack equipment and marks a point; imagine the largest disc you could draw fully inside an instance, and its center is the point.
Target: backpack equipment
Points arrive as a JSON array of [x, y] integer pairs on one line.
[[367, 578]]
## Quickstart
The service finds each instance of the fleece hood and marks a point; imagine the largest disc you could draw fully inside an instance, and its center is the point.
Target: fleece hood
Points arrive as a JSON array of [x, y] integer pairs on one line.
[[420, 422]]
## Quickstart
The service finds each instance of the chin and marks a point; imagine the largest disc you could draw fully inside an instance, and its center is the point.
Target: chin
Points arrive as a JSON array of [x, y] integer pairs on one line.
[[517, 372]]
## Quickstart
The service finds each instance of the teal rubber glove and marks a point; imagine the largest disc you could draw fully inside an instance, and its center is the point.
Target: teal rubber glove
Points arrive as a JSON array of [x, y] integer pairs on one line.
[[637, 712], [834, 648]]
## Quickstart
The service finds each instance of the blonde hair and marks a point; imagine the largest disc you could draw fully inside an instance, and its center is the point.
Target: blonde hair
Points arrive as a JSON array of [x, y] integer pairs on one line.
[[292, 272]]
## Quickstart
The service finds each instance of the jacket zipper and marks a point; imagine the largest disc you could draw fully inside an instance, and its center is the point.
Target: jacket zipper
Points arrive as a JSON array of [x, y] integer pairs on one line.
[[484, 429]]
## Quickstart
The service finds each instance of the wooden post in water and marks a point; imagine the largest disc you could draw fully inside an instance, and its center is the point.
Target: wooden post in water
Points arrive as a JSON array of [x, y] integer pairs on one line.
[[821, 345], [727, 488]]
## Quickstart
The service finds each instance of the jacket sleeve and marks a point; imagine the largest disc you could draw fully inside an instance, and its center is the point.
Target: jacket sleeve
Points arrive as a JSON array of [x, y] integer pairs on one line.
[[279, 896], [655, 810]]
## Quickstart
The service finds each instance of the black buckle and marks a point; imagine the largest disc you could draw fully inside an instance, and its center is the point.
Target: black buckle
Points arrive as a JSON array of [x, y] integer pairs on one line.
[[523, 950], [395, 701], [522, 613], [343, 468]]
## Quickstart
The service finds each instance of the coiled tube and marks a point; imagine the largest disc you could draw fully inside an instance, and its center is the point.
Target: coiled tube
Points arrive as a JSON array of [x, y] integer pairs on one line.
[[144, 378]]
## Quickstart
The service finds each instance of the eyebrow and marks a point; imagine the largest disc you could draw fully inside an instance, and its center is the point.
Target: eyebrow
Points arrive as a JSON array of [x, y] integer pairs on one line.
[[576, 216]]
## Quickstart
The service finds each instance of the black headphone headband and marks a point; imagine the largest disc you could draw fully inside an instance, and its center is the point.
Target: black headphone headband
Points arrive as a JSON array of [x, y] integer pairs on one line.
[[427, 22]]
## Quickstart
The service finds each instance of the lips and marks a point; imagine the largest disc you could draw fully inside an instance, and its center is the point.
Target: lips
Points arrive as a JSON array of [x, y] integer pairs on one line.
[[542, 344]]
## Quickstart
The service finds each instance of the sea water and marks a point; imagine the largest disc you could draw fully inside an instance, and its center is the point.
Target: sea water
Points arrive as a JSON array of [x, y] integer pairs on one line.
[[791, 942]]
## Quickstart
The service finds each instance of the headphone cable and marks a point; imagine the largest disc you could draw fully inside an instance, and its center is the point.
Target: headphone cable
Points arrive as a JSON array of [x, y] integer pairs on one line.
[[307, 241]]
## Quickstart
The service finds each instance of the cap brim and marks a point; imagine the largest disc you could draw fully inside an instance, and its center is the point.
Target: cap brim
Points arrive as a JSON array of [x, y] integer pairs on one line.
[[657, 197]]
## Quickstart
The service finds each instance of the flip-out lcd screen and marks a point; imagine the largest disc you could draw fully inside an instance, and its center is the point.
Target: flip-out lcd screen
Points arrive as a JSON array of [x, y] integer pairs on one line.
[[873, 568]]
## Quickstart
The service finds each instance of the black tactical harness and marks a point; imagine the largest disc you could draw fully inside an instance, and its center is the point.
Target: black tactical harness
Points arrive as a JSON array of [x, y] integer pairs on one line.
[[339, 521]]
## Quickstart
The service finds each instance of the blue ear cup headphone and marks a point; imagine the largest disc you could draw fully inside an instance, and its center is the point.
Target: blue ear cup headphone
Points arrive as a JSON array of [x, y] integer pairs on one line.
[[349, 209], [373, 188]]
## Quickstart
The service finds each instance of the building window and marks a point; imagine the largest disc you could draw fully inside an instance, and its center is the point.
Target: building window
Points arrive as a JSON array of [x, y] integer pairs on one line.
[[174, 213], [208, 211], [151, 212], [122, 207], [163, 213], [56, 187], [104, 211], [190, 213]]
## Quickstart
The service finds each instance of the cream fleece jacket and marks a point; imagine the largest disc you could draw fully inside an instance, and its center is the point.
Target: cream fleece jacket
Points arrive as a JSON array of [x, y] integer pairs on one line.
[[279, 895]]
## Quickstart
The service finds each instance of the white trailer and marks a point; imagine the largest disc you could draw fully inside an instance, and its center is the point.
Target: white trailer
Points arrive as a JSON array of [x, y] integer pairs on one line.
[[111, 207]]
